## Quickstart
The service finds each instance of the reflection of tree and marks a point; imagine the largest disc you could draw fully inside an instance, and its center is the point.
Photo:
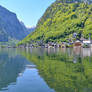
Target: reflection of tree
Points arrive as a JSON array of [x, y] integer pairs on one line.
[[10, 67], [61, 74]]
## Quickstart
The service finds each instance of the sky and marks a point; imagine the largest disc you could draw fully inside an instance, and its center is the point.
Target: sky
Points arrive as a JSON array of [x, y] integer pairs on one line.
[[28, 11]]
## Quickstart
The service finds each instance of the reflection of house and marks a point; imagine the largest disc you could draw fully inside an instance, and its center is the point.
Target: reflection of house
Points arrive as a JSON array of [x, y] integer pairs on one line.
[[86, 52], [77, 51], [83, 52]]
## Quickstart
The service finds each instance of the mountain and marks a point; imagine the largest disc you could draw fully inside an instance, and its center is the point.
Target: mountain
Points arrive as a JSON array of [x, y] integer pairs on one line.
[[31, 29], [61, 20], [10, 26], [75, 1]]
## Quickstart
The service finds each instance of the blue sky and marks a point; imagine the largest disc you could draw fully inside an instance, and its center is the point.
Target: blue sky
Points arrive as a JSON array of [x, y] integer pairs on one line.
[[28, 11]]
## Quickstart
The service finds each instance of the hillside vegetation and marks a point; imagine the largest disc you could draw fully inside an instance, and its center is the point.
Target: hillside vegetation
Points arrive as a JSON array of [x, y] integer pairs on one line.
[[60, 21]]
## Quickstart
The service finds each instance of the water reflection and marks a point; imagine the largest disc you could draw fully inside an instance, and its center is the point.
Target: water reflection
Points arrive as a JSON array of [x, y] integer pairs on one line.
[[46, 70], [64, 70], [11, 65], [17, 74]]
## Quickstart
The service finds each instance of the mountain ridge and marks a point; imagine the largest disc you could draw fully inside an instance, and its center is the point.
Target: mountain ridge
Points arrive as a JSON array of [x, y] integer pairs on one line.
[[11, 26], [60, 21]]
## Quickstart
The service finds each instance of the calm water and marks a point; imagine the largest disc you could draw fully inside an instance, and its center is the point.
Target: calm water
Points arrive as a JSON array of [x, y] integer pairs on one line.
[[46, 70]]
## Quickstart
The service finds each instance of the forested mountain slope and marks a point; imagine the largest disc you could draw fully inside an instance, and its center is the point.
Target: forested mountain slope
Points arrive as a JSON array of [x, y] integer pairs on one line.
[[61, 20]]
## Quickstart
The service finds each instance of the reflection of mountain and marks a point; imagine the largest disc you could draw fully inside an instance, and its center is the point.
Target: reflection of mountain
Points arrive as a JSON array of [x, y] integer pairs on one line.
[[59, 71], [10, 67]]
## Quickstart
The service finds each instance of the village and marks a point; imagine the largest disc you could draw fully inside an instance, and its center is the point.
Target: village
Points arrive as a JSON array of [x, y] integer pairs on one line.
[[78, 43], [82, 42]]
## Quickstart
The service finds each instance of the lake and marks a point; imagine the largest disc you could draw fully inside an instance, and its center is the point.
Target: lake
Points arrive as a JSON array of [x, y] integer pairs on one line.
[[46, 70]]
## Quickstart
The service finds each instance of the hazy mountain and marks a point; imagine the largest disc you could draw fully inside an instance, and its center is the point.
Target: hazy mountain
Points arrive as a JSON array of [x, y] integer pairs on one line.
[[31, 29], [10, 27]]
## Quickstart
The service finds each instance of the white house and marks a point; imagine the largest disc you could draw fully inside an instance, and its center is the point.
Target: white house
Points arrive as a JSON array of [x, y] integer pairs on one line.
[[87, 42]]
